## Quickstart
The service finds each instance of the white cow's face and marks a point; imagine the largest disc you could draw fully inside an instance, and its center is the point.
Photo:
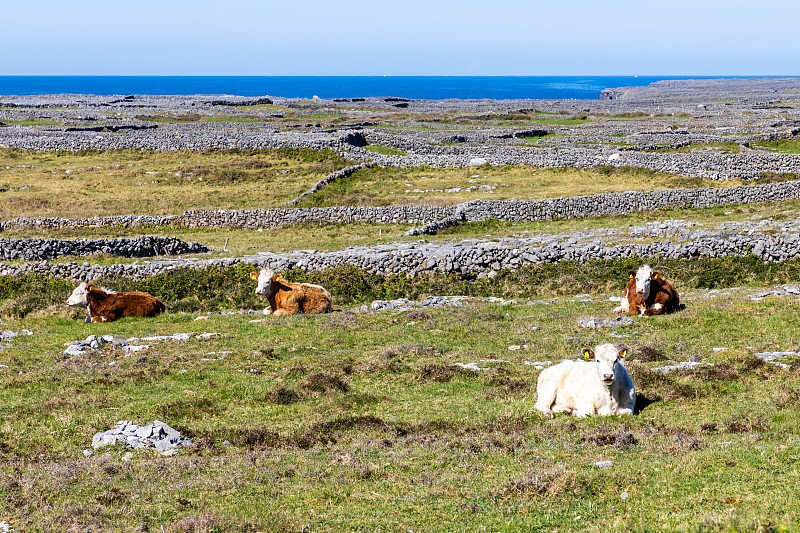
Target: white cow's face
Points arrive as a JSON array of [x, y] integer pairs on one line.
[[606, 358], [78, 296], [264, 279], [644, 279]]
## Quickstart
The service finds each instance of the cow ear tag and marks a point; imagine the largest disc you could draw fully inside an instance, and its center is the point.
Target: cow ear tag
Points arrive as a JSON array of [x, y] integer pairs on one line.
[[630, 276], [276, 277], [253, 275], [623, 354], [586, 355], [655, 275]]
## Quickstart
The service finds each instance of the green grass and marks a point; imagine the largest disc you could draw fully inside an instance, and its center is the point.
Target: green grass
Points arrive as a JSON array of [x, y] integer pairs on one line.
[[384, 150], [397, 186], [349, 421], [116, 182], [32, 122], [788, 146], [360, 421]]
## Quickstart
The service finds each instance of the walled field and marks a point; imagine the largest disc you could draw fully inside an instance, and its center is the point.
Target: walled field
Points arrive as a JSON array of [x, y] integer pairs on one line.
[[355, 421], [104, 183], [408, 416]]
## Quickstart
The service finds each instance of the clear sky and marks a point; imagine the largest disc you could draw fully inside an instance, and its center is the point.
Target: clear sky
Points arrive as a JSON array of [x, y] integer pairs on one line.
[[412, 37]]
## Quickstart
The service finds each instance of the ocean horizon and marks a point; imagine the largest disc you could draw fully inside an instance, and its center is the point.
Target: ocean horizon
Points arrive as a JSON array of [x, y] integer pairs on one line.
[[413, 87]]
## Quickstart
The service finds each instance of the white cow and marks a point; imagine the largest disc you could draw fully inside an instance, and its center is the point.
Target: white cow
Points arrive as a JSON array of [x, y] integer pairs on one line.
[[599, 385]]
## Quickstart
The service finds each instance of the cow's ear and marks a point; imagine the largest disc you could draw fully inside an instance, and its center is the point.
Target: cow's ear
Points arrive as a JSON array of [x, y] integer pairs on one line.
[[254, 275], [89, 287], [588, 354], [623, 354], [631, 274], [276, 277], [655, 275]]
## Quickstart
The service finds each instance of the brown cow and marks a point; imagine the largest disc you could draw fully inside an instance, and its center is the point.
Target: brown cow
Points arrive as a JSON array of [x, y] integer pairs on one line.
[[287, 298], [647, 293], [107, 306]]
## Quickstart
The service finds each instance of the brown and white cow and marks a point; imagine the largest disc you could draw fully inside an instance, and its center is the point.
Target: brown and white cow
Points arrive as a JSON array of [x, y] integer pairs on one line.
[[286, 298], [107, 306], [647, 293]]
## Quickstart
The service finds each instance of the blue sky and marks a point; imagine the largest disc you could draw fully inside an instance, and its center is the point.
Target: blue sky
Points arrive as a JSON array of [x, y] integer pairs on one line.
[[414, 37]]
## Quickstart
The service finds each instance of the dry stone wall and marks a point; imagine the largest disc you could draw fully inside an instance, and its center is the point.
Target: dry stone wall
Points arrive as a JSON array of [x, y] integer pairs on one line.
[[48, 249], [435, 218], [773, 242]]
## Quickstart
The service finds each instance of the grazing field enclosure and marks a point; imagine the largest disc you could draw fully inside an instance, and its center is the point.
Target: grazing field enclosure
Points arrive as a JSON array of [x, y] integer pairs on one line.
[[409, 407]]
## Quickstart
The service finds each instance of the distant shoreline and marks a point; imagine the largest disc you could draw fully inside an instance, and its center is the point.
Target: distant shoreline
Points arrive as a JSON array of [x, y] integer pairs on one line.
[[329, 87]]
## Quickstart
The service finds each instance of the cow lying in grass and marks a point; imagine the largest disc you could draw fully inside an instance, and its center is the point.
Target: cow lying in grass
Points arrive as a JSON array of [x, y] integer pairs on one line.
[[287, 298], [599, 385], [107, 306], [647, 293]]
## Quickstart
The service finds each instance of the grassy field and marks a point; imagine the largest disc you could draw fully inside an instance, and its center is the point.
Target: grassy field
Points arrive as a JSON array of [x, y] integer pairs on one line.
[[362, 421], [355, 421], [100, 183], [428, 186]]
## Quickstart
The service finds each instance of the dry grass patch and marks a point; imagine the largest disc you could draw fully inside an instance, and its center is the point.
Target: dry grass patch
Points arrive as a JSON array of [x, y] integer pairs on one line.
[[121, 182]]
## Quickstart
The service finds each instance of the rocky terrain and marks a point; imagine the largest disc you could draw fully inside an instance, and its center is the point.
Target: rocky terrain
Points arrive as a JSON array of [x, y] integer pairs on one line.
[[656, 127], [639, 127], [769, 240]]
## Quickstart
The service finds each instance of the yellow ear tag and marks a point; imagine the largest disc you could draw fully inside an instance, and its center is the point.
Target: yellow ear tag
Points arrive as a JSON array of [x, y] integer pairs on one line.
[[623, 354], [586, 355], [253, 275], [630, 276], [655, 276], [278, 278]]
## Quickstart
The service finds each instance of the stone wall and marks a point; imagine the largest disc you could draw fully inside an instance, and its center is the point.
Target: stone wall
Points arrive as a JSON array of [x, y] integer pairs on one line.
[[473, 211], [466, 257], [48, 249]]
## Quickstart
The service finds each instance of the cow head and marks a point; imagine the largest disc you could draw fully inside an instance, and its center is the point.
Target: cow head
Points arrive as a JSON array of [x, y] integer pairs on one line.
[[644, 278], [265, 279], [607, 357], [78, 296]]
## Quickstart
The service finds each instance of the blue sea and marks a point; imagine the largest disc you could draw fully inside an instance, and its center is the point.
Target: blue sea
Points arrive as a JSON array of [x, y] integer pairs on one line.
[[418, 87]]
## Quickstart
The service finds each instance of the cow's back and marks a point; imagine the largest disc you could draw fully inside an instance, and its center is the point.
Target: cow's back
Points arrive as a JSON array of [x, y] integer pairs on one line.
[[108, 307], [141, 304], [315, 299]]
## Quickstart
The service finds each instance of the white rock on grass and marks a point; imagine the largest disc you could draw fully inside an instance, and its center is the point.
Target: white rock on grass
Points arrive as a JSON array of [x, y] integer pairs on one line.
[[156, 435], [770, 357]]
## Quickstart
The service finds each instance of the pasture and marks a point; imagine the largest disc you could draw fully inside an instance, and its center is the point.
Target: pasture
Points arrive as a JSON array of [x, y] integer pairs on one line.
[[363, 420]]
